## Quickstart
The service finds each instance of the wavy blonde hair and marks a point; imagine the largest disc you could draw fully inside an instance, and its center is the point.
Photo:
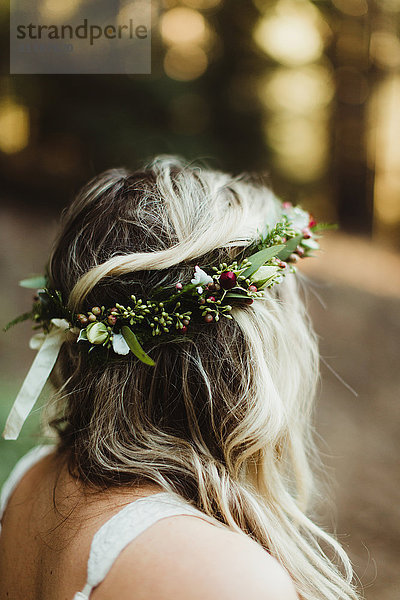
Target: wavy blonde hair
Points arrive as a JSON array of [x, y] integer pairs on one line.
[[223, 419]]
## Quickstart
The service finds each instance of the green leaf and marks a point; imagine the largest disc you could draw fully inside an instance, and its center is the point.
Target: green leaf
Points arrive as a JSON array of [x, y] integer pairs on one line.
[[19, 319], [263, 274], [236, 295], [311, 244], [135, 347], [324, 227], [39, 281], [261, 257], [290, 247]]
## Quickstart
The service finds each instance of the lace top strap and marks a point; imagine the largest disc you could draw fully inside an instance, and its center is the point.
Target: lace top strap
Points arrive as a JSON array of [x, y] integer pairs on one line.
[[22, 467], [125, 526]]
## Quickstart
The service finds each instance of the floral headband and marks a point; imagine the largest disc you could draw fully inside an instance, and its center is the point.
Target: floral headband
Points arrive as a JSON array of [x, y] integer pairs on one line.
[[169, 312]]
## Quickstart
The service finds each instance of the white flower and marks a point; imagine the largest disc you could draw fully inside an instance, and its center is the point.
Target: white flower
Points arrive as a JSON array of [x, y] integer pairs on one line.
[[200, 276], [298, 217], [119, 344], [97, 333]]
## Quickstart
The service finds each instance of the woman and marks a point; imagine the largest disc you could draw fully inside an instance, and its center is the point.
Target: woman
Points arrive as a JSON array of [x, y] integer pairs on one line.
[[185, 383]]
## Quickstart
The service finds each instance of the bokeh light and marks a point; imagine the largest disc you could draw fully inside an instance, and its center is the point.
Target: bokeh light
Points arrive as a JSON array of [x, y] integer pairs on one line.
[[384, 150], [184, 62], [290, 34], [59, 9], [135, 11], [14, 126], [297, 91], [385, 49], [183, 26], [189, 40], [300, 145]]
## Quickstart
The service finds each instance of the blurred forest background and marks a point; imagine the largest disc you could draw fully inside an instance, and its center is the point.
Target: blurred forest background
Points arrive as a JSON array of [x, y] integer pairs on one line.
[[308, 93]]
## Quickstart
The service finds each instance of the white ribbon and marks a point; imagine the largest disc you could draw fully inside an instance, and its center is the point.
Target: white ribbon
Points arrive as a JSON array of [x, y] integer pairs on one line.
[[49, 346]]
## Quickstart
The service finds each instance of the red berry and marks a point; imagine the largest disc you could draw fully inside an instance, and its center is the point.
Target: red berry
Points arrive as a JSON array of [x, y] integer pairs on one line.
[[306, 233], [252, 288], [300, 251], [202, 300], [92, 318], [83, 320], [184, 329], [96, 310], [227, 280], [185, 321], [208, 318], [211, 298], [281, 263], [111, 320], [312, 222], [113, 310], [178, 286]]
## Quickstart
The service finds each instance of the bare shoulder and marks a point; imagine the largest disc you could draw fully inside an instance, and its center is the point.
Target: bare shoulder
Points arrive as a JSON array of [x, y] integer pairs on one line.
[[187, 558]]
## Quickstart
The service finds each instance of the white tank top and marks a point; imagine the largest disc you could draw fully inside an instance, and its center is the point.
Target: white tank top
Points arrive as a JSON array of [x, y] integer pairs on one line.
[[116, 533]]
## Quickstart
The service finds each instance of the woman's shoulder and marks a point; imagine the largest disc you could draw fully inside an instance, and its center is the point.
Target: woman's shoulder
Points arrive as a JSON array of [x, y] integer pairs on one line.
[[22, 466], [187, 558]]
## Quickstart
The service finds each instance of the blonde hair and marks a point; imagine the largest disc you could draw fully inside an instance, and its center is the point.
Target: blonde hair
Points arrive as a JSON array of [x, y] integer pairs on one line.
[[224, 418]]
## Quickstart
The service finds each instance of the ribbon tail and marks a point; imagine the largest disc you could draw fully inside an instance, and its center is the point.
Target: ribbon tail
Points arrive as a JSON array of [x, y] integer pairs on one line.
[[33, 384]]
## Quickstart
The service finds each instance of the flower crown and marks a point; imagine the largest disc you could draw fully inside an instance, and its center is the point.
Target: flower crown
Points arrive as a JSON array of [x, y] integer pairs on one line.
[[169, 311]]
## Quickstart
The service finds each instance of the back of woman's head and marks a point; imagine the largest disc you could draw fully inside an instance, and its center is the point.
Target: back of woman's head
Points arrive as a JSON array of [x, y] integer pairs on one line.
[[223, 418]]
